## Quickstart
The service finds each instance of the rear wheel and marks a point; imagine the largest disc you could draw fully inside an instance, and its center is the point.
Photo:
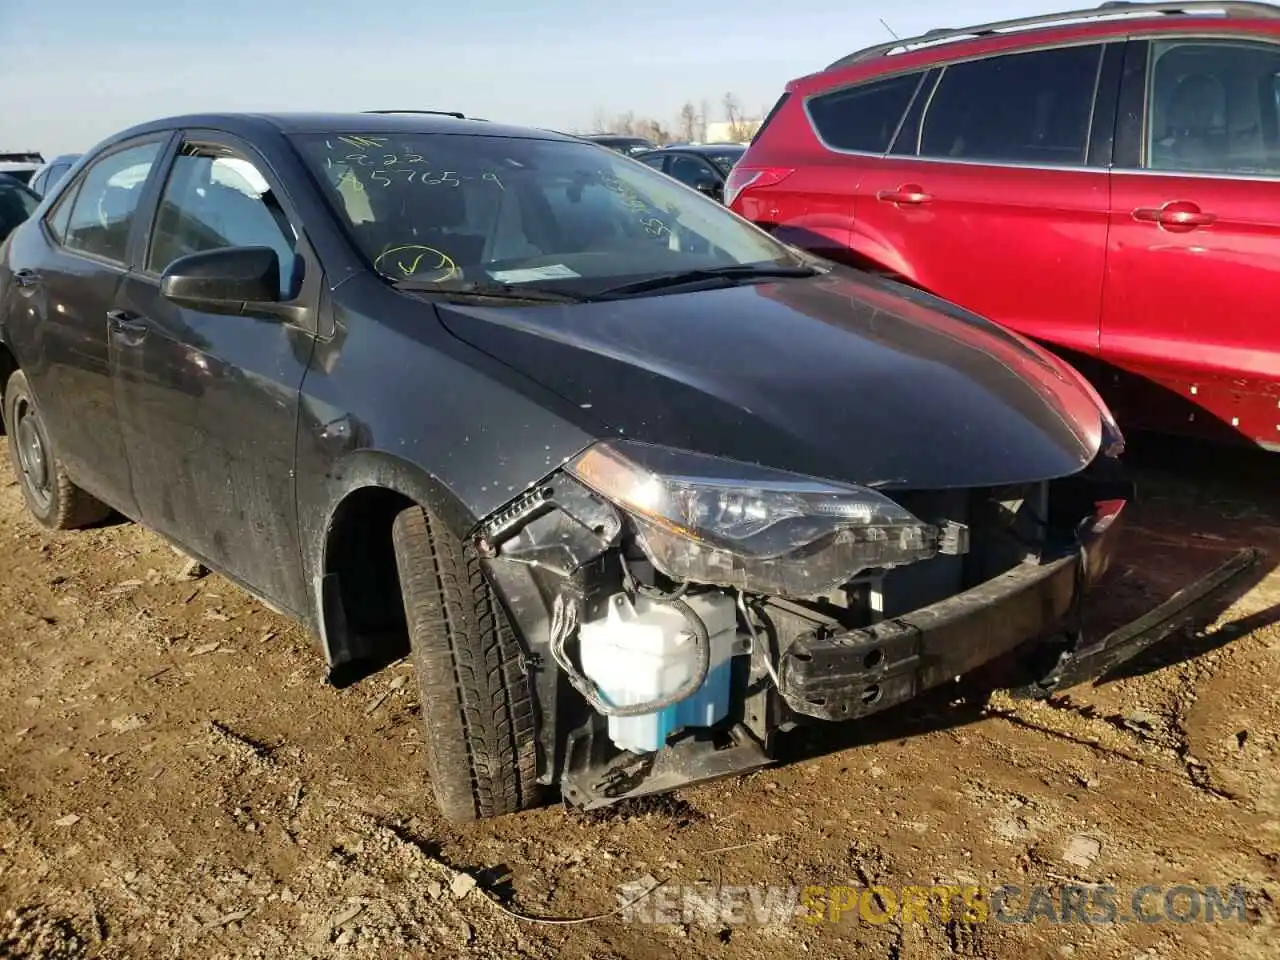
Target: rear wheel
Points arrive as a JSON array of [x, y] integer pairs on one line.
[[52, 498], [476, 700]]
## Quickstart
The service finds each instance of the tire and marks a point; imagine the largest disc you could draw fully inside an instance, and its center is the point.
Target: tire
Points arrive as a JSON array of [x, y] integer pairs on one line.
[[476, 701], [52, 498]]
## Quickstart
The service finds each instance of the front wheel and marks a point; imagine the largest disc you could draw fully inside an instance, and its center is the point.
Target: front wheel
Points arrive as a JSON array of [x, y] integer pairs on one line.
[[476, 700], [52, 498]]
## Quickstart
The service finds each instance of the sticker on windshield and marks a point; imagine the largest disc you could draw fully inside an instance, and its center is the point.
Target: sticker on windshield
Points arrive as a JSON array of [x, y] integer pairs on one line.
[[556, 271]]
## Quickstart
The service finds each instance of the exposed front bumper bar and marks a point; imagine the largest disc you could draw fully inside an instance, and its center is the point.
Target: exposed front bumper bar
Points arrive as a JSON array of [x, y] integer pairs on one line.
[[1222, 586], [856, 673]]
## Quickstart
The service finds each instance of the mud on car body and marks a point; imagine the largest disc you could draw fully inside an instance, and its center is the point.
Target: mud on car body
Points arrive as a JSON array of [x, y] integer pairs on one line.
[[640, 487]]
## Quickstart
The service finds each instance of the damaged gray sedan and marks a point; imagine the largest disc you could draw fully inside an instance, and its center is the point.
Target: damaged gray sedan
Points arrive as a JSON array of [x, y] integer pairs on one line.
[[640, 487]]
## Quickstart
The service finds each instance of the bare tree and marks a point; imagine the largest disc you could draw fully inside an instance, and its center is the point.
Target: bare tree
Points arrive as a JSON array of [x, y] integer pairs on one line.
[[688, 124], [732, 111], [624, 124], [653, 130], [740, 127]]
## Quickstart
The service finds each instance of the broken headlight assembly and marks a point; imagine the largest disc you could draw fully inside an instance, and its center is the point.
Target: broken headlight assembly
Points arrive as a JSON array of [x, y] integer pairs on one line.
[[708, 520]]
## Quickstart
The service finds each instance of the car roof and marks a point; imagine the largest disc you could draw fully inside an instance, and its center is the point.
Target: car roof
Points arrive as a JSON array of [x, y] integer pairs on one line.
[[1116, 18], [706, 147], [249, 124]]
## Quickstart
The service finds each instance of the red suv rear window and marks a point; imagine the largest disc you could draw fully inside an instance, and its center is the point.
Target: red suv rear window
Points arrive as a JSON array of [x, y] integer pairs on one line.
[[863, 117]]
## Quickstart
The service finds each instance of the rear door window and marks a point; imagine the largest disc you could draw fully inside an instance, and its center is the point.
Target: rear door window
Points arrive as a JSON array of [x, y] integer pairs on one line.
[[865, 117], [1032, 107], [692, 171], [724, 162], [102, 214], [59, 217], [655, 160]]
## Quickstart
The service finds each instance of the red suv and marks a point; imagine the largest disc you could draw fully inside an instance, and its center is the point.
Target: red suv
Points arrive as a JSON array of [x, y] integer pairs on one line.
[[1105, 181]]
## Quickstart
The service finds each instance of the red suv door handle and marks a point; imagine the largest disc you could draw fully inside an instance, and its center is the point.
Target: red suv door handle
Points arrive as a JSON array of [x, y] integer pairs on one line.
[[911, 193], [1178, 215]]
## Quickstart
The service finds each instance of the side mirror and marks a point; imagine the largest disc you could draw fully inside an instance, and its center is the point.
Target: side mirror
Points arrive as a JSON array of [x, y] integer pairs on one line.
[[234, 280]]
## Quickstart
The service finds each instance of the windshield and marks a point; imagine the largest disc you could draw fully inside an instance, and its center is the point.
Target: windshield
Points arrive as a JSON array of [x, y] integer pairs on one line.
[[442, 208]]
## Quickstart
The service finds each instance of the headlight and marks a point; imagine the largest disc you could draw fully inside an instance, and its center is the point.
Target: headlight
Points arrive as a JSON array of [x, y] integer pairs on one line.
[[734, 524]]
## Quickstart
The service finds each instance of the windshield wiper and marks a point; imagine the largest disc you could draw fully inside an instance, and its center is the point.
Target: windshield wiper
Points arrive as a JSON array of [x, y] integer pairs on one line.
[[731, 274], [498, 291]]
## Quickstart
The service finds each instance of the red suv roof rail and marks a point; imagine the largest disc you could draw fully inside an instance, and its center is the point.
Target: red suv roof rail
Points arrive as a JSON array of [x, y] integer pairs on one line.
[[1116, 8]]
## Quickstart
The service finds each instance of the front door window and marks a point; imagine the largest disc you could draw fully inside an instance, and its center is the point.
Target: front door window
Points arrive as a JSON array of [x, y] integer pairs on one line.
[[214, 199], [1214, 107]]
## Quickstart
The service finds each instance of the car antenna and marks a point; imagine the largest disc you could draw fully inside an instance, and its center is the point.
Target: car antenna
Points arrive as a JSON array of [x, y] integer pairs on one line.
[[890, 29]]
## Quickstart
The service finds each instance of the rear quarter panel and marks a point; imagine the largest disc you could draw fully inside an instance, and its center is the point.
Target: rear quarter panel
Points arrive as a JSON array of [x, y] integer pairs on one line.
[[813, 206]]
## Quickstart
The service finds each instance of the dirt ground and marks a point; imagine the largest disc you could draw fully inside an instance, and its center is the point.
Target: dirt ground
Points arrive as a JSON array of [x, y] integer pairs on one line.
[[177, 780]]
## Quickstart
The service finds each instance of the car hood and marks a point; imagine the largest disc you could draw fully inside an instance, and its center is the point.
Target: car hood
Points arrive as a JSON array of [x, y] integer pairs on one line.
[[838, 376]]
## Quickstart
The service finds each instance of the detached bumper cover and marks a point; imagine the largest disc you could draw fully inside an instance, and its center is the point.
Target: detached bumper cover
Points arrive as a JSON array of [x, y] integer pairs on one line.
[[860, 672]]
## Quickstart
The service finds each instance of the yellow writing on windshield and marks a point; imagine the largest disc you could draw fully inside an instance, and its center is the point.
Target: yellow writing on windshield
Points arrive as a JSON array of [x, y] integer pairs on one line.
[[632, 200], [356, 141], [417, 262]]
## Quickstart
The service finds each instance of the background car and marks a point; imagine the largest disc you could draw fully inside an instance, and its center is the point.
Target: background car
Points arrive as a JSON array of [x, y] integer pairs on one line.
[[1105, 181], [17, 203], [42, 180], [623, 144], [21, 165], [702, 166]]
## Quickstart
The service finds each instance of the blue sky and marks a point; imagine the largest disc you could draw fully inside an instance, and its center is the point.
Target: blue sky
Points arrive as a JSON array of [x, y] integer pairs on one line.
[[75, 71]]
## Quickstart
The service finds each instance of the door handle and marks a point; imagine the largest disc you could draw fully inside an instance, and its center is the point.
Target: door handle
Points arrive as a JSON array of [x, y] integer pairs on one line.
[[128, 324], [908, 193], [1177, 215], [26, 277]]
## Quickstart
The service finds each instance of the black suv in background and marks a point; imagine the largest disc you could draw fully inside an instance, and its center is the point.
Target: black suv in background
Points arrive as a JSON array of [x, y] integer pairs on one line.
[[703, 166], [17, 203]]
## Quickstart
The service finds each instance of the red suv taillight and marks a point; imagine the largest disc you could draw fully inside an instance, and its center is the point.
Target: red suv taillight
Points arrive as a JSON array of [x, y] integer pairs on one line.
[[742, 177]]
